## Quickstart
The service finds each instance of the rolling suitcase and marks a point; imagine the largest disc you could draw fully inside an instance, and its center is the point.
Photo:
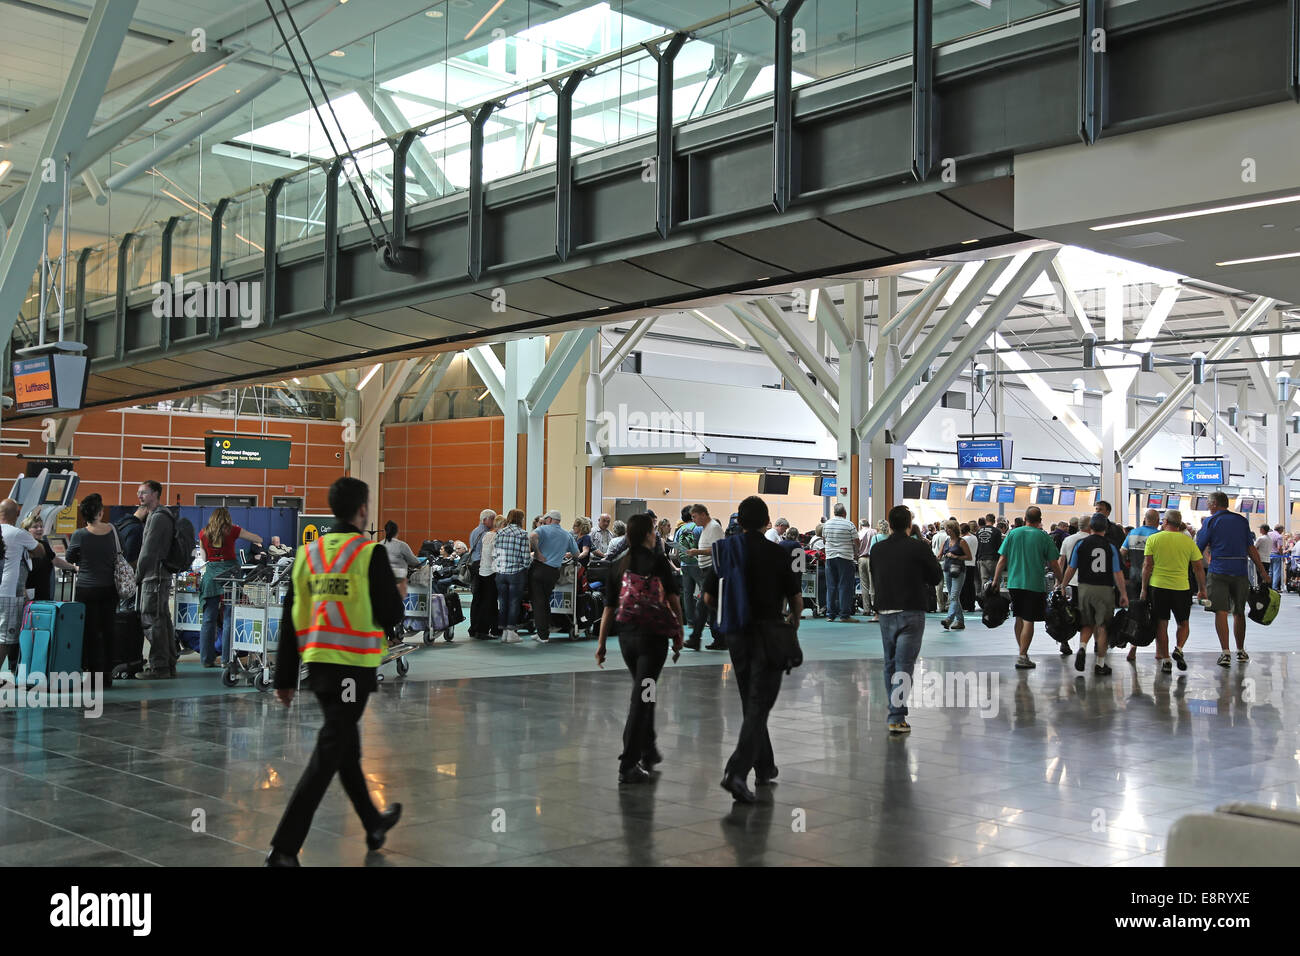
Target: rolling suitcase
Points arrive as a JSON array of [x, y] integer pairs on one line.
[[50, 641], [455, 613], [128, 644], [437, 612]]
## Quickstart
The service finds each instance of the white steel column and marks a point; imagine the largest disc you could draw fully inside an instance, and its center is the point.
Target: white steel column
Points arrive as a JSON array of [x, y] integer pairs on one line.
[[886, 483]]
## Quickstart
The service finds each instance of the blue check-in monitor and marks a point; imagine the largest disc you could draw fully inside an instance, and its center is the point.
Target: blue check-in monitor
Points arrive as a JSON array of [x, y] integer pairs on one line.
[[993, 454], [1065, 497], [1205, 471], [936, 491], [1045, 495], [827, 486], [1006, 494], [981, 493]]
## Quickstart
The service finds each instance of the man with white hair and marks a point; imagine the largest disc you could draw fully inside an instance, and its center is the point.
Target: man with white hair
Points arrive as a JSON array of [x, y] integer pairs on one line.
[[601, 537], [551, 543], [778, 530], [478, 610]]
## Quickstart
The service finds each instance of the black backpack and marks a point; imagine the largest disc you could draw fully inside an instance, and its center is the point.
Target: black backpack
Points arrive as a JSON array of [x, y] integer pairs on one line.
[[180, 552], [996, 608], [1062, 619]]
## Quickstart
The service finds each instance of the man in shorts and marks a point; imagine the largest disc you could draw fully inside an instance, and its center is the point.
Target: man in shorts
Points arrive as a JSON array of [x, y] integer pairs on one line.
[[1100, 577], [1168, 555], [17, 545], [1229, 546], [1027, 554]]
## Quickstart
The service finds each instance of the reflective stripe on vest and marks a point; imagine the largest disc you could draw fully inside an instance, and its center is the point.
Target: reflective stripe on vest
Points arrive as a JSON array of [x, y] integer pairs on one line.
[[332, 613]]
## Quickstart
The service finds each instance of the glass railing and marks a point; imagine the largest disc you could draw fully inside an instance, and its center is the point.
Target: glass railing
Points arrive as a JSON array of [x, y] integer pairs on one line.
[[726, 62]]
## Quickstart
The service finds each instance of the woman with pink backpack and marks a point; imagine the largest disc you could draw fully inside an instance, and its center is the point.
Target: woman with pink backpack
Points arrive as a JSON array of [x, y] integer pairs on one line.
[[644, 609]]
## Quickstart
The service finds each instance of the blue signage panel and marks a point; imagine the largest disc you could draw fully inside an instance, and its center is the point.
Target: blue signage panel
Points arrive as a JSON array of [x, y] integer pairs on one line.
[[1045, 495], [936, 491], [1006, 494], [986, 453], [1066, 497], [981, 493], [1205, 471], [826, 486]]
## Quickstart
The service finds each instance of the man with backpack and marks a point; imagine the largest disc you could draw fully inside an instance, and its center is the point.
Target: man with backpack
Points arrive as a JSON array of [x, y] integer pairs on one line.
[[685, 539], [163, 552]]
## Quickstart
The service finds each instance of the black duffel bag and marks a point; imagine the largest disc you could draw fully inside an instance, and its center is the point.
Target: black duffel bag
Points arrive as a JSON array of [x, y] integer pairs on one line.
[[996, 608]]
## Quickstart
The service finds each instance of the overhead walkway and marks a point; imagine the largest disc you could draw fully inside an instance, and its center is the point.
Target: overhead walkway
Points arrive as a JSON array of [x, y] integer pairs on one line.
[[832, 179]]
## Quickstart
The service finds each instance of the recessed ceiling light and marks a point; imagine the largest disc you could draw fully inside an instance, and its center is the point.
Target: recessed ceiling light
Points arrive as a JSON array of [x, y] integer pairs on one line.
[[1268, 225], [337, 53], [1243, 262], [967, 242], [1212, 211], [435, 14]]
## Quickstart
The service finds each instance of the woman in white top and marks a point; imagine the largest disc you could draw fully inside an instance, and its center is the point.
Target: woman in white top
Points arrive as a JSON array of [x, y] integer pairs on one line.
[[487, 580]]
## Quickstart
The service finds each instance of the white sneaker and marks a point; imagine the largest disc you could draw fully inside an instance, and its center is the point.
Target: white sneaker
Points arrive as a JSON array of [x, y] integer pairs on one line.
[[511, 637]]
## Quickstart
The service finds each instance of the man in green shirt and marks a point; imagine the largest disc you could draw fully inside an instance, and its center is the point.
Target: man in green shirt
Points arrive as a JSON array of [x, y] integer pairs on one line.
[[1027, 554], [1168, 555]]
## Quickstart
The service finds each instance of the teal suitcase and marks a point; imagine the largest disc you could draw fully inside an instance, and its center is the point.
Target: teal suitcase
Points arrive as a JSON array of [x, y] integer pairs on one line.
[[50, 641]]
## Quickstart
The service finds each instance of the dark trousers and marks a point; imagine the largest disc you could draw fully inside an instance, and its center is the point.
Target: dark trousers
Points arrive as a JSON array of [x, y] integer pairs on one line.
[[338, 749], [483, 606], [542, 583], [644, 655], [97, 639], [759, 681]]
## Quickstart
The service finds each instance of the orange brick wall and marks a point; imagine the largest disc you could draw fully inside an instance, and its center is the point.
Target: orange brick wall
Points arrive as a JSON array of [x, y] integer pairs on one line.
[[112, 462], [438, 476]]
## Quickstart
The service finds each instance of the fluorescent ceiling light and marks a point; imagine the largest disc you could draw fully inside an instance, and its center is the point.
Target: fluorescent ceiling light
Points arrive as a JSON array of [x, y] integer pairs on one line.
[[1212, 211], [1243, 262], [484, 395], [369, 375], [186, 86], [735, 339], [337, 53]]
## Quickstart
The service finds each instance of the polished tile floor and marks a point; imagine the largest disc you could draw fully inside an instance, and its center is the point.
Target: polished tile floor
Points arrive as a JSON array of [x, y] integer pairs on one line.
[[1048, 768]]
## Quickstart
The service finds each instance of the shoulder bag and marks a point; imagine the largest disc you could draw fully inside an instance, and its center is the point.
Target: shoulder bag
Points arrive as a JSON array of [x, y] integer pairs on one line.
[[123, 573]]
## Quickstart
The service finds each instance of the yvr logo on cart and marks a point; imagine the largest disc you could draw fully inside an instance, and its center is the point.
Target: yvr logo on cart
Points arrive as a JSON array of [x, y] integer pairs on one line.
[[209, 300], [54, 690], [634, 429]]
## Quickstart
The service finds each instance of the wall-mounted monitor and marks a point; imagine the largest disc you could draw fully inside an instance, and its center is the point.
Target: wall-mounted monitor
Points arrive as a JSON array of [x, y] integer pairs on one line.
[[984, 453], [1246, 505], [56, 490], [979, 493], [1045, 495], [1065, 496], [912, 488], [936, 491], [1205, 471], [1174, 501], [770, 483], [1201, 503], [1006, 494], [827, 486], [1156, 500]]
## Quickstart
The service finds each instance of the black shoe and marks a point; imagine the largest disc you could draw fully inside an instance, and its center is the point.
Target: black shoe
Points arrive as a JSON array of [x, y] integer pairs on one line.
[[944, 624], [764, 779], [651, 758], [278, 858], [1081, 658], [1065, 649], [387, 820], [1179, 659], [1101, 670], [637, 774], [693, 644], [739, 792], [716, 646]]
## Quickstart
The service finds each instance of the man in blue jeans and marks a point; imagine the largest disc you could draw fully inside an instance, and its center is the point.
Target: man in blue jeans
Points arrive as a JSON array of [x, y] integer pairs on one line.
[[905, 572], [841, 565]]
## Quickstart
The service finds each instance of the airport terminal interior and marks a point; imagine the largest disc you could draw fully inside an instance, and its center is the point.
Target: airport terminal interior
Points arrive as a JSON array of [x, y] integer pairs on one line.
[[551, 265]]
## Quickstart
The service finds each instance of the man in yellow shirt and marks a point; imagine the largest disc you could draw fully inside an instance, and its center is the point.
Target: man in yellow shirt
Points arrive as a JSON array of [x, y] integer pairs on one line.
[[1165, 584]]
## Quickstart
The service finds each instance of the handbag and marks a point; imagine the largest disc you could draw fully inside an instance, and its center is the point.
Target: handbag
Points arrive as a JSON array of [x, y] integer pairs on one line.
[[123, 573], [781, 643]]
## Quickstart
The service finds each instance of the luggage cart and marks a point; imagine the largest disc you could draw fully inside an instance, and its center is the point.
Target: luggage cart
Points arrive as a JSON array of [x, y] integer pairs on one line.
[[564, 599], [188, 613], [418, 612], [255, 595]]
